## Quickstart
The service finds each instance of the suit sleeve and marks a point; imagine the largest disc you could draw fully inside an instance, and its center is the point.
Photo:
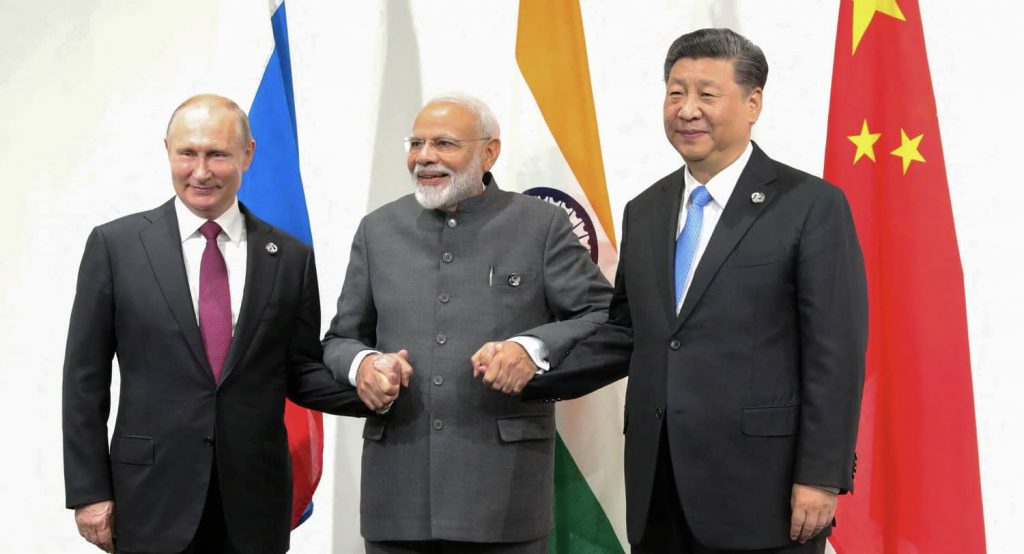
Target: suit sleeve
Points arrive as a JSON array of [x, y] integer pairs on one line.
[[598, 359], [354, 327], [576, 292], [310, 384], [90, 349], [832, 304]]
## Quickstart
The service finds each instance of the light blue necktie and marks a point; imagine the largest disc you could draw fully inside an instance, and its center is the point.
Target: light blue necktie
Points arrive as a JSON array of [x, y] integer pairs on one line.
[[686, 244]]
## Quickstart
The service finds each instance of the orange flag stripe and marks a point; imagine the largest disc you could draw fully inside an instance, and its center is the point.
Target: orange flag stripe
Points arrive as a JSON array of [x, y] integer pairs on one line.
[[552, 55]]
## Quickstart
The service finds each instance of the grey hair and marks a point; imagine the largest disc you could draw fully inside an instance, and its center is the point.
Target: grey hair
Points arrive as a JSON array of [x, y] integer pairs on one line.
[[484, 116], [750, 68], [242, 127]]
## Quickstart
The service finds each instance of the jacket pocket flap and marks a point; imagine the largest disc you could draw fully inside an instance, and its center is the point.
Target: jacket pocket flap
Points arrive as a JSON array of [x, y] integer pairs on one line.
[[524, 428], [374, 428], [771, 421], [132, 450]]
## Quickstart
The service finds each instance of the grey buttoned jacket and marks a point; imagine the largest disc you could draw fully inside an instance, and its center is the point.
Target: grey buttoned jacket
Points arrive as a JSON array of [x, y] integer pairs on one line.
[[453, 459]]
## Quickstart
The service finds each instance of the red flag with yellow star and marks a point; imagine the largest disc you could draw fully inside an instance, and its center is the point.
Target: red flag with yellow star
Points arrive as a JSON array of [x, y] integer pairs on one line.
[[917, 483]]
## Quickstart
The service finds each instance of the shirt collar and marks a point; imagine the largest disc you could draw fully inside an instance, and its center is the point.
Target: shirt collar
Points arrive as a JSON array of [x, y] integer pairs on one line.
[[722, 184], [231, 222]]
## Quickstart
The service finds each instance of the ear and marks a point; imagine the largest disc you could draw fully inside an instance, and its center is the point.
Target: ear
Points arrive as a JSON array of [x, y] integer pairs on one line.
[[167, 146], [754, 100], [491, 151], [248, 156]]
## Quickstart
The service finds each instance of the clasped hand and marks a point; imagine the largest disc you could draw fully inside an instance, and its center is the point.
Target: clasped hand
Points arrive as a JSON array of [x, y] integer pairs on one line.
[[505, 366]]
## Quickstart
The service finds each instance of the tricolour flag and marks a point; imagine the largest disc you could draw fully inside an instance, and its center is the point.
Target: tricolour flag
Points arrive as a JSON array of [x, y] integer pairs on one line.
[[552, 55], [917, 482], [272, 189]]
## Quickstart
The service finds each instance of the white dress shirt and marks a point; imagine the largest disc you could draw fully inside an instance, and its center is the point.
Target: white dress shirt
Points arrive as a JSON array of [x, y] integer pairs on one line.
[[720, 188], [232, 243]]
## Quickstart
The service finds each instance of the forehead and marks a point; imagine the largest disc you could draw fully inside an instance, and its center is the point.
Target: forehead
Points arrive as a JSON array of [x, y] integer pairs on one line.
[[445, 118], [702, 70], [203, 123]]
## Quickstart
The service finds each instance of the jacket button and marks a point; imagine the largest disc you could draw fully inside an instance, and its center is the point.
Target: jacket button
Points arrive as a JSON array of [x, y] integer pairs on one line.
[[208, 441], [441, 339], [438, 380], [444, 297], [658, 412], [447, 257], [674, 344], [438, 424], [452, 223]]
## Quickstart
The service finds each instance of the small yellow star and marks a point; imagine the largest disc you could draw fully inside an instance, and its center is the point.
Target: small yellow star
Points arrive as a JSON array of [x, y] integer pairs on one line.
[[864, 12], [865, 142], [908, 150]]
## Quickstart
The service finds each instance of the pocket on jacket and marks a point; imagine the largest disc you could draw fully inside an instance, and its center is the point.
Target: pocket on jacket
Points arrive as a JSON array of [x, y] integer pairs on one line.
[[771, 421], [131, 450], [374, 428], [755, 259], [525, 428]]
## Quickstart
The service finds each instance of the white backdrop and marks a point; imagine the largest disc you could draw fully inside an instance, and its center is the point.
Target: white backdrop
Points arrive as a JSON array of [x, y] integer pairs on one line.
[[86, 88]]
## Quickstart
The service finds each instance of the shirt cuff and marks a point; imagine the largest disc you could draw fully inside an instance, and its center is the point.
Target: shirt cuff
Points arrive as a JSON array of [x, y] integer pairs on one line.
[[832, 490], [354, 368], [536, 349]]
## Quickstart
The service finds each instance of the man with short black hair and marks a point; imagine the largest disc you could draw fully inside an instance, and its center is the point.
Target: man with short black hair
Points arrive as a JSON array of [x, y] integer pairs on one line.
[[740, 317]]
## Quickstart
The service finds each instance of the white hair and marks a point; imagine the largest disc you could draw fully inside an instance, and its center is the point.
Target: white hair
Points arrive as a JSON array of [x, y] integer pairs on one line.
[[484, 115]]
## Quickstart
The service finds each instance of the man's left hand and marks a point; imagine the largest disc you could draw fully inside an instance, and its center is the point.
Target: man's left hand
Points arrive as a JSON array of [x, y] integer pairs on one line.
[[813, 509], [505, 366]]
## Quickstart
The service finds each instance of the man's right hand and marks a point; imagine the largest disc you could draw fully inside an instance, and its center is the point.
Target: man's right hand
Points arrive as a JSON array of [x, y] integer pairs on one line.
[[380, 377], [96, 524]]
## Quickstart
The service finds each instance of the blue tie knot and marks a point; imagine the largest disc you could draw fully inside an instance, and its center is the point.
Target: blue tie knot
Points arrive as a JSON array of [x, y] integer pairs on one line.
[[700, 196]]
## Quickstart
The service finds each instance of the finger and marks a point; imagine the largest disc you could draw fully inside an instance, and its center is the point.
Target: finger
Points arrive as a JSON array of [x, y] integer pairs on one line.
[[807, 531], [405, 369], [796, 524], [104, 539], [821, 523], [493, 369], [482, 359]]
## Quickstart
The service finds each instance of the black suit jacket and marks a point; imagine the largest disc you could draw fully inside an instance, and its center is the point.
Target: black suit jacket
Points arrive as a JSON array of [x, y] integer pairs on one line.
[[758, 379], [133, 300]]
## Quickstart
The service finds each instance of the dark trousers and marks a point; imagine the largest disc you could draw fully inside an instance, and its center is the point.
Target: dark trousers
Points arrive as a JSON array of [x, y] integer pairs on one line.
[[667, 531], [212, 534], [538, 546]]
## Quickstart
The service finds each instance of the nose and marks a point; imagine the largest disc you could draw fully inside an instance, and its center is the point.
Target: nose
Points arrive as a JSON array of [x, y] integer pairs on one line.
[[688, 109], [201, 170], [425, 155]]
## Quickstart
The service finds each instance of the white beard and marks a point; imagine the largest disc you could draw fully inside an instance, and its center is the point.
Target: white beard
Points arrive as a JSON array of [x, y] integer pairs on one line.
[[461, 185]]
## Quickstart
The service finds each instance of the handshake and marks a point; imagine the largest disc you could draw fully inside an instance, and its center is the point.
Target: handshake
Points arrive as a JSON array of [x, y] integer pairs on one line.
[[504, 366]]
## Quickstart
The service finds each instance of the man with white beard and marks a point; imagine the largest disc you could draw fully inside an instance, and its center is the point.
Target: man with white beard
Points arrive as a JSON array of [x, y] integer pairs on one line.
[[456, 462]]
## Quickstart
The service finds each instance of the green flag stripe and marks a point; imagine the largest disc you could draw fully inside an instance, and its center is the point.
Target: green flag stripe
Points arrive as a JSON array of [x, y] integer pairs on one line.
[[581, 526]]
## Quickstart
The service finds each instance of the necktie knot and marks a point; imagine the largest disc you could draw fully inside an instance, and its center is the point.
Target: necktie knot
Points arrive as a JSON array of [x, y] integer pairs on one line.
[[700, 196], [209, 230]]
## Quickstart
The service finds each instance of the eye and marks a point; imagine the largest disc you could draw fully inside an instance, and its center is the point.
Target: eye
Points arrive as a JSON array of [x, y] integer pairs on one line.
[[414, 143], [445, 145]]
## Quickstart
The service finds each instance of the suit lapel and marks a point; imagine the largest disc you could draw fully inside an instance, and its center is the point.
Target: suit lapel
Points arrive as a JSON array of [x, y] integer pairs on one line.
[[740, 213], [665, 226], [260, 274], [162, 242]]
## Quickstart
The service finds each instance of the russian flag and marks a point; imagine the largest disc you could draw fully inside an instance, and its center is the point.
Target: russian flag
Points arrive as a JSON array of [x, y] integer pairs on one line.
[[273, 191]]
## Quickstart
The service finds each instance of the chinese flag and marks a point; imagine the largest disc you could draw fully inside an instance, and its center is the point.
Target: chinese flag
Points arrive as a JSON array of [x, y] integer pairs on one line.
[[917, 480]]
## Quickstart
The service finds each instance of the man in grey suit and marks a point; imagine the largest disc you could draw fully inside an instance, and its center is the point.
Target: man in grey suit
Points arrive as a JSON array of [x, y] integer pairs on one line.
[[455, 464]]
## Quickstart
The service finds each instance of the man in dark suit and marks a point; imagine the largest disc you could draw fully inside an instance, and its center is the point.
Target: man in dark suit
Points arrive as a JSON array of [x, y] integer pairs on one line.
[[214, 317], [740, 316]]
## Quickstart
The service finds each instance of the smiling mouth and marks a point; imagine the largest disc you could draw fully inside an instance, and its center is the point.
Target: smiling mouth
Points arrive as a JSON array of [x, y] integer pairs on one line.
[[431, 178]]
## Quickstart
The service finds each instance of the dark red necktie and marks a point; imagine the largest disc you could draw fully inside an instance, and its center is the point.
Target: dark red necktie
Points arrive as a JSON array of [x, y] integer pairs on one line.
[[214, 301]]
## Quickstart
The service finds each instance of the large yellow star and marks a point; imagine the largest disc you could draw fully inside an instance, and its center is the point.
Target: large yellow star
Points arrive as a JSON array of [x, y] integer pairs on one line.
[[865, 142], [908, 150], [864, 12]]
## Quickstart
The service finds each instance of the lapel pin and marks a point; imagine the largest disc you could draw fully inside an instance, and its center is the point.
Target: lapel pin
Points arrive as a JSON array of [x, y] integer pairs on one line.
[[757, 197], [271, 248], [514, 280]]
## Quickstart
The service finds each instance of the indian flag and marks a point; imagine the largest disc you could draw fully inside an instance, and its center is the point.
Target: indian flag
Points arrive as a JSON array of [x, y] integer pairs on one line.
[[564, 166]]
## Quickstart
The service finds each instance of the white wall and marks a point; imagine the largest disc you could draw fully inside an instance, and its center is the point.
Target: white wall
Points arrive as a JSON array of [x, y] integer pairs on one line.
[[87, 87]]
